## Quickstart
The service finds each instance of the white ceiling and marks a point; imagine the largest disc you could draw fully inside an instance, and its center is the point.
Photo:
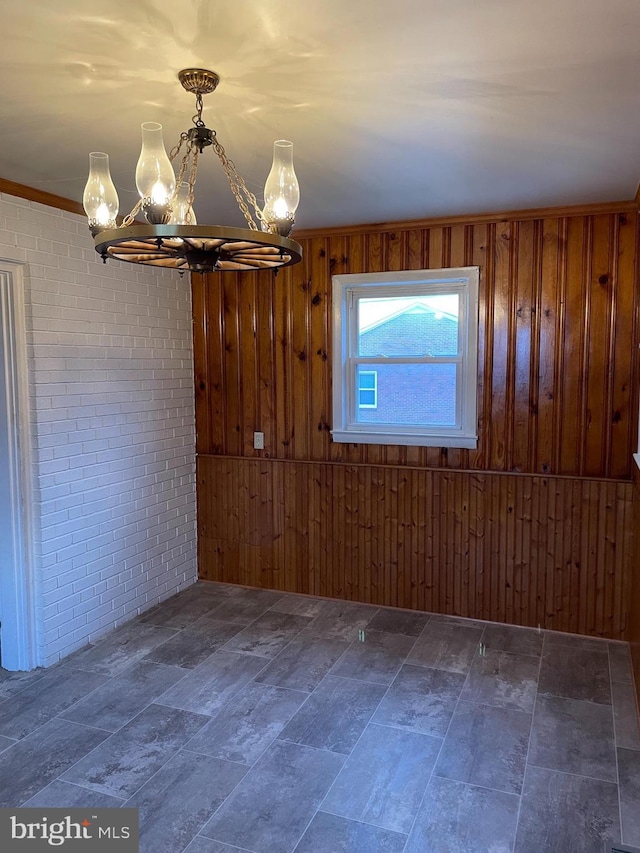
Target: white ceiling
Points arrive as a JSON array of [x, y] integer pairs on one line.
[[398, 109]]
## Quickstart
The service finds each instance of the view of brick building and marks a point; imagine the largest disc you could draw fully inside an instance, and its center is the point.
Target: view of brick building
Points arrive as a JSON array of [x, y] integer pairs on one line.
[[409, 393]]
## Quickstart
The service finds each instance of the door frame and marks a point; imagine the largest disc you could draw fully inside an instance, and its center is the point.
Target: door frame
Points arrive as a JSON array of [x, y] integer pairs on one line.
[[19, 634]]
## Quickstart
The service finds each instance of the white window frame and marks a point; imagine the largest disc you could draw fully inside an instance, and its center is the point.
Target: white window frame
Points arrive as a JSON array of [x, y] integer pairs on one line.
[[373, 405], [347, 290]]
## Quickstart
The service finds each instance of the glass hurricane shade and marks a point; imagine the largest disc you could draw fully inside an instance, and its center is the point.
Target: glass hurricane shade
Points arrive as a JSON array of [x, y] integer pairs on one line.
[[182, 213], [100, 199], [155, 179], [281, 190]]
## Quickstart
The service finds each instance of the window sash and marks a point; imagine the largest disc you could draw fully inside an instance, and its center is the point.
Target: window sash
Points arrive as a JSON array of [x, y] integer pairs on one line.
[[464, 283], [367, 390]]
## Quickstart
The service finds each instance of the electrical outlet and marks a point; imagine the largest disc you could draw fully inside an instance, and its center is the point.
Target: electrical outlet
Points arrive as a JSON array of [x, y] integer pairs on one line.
[[258, 441]]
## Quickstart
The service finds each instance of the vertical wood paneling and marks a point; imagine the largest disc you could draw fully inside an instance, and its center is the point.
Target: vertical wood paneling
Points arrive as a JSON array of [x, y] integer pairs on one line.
[[624, 393], [556, 369], [549, 318], [596, 368], [353, 526], [233, 380]]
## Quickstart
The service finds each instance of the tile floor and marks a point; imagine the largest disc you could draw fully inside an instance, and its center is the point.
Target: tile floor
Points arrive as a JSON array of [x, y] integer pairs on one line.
[[247, 720]]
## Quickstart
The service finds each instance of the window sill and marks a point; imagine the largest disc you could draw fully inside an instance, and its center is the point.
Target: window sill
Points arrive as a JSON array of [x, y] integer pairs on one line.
[[410, 439]]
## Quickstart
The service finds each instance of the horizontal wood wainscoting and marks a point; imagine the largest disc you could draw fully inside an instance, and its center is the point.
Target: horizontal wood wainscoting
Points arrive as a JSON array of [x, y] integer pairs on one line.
[[533, 527], [529, 550]]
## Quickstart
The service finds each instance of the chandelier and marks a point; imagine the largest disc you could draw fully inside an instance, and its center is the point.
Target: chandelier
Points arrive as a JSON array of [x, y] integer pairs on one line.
[[172, 237]]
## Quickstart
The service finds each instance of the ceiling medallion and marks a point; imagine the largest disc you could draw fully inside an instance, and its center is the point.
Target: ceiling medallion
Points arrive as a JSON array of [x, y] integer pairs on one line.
[[173, 238]]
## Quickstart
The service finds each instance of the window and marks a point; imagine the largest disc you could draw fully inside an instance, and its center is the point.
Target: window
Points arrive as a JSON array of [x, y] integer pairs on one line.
[[368, 389], [405, 357]]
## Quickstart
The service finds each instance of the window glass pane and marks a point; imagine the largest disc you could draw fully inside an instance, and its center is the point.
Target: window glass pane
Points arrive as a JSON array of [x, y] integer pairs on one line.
[[408, 326], [413, 395], [367, 379], [367, 398]]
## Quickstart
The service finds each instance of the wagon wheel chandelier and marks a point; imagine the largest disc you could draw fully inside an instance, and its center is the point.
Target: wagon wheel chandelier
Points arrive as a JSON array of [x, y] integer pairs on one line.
[[172, 238]]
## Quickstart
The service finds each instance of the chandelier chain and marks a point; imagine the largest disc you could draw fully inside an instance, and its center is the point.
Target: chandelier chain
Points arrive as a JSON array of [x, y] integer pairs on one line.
[[129, 218], [197, 118], [176, 148], [238, 187]]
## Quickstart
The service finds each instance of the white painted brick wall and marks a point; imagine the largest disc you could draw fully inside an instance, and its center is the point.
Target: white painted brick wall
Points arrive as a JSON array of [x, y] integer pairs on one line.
[[112, 409]]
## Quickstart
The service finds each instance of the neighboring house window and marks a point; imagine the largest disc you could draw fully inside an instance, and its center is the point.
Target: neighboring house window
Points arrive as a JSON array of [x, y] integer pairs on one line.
[[405, 357], [368, 389]]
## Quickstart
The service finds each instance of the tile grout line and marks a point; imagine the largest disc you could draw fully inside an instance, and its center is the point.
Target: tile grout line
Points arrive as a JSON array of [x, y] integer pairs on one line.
[[615, 744], [110, 735], [154, 701], [269, 745], [110, 678], [526, 760], [366, 726], [444, 737]]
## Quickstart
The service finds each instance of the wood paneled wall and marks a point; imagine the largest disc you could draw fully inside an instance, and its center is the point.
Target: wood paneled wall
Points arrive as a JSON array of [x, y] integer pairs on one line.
[[556, 385], [556, 399], [546, 551]]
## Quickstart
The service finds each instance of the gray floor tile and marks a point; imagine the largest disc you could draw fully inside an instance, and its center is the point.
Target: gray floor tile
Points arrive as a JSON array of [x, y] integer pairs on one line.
[[459, 818], [273, 805], [200, 844], [329, 833], [558, 638], [340, 620], [384, 778], [40, 757], [299, 605], [503, 680], [223, 590], [335, 714], [268, 635], [421, 699], [64, 795], [562, 813], [182, 610], [463, 621], [510, 638], [446, 645], [121, 648], [625, 715], [44, 699], [377, 657], [486, 746], [398, 622], [122, 697], [303, 663], [246, 606], [573, 736], [13, 682], [576, 673], [248, 724], [310, 731], [193, 645], [130, 757], [181, 798], [629, 769], [205, 689], [620, 663]]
